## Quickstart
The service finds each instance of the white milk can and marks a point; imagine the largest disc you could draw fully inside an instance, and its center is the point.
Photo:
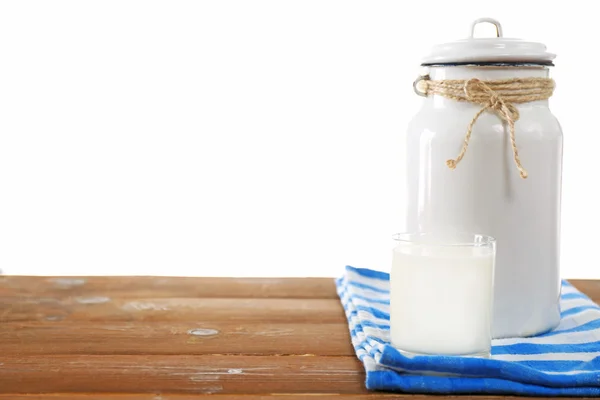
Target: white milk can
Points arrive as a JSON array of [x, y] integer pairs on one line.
[[484, 155]]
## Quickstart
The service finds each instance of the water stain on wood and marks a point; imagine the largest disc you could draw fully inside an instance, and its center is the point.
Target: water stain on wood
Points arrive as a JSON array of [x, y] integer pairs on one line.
[[203, 332], [67, 283], [211, 389], [144, 306], [199, 335], [92, 300]]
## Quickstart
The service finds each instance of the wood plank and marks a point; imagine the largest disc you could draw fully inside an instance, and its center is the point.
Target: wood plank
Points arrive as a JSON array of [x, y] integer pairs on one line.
[[172, 309], [286, 396], [63, 337], [163, 396], [165, 287], [181, 374], [104, 308]]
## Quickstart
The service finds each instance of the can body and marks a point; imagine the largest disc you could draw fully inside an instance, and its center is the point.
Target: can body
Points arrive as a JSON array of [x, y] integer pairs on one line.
[[486, 195]]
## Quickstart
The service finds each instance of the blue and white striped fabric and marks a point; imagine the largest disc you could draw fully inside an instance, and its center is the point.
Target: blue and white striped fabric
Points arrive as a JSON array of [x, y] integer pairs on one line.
[[564, 362]]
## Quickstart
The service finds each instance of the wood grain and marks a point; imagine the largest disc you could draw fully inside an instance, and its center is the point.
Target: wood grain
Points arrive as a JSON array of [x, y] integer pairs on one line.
[[273, 396], [63, 337], [589, 287], [163, 396], [135, 287], [181, 374], [172, 309], [153, 338]]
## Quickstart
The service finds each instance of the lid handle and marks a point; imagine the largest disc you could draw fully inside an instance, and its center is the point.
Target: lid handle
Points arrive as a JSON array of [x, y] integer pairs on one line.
[[489, 20]]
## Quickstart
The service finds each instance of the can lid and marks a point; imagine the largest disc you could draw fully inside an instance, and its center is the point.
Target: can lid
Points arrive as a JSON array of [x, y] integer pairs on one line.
[[494, 50]]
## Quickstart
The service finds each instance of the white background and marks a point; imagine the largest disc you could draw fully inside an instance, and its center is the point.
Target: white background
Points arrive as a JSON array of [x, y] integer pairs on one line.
[[245, 137]]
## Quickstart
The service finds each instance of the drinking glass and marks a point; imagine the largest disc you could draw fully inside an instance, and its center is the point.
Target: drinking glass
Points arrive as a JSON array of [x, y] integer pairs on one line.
[[441, 291]]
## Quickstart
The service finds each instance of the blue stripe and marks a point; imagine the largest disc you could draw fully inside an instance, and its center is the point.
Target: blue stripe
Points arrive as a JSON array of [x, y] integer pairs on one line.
[[369, 273], [371, 324], [536, 348], [388, 380], [374, 312], [368, 287], [376, 339], [360, 330], [371, 299], [563, 365], [577, 310], [368, 323], [580, 328], [570, 296]]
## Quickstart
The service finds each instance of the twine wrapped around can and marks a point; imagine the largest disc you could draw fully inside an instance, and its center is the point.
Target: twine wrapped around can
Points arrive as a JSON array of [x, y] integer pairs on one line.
[[499, 96]]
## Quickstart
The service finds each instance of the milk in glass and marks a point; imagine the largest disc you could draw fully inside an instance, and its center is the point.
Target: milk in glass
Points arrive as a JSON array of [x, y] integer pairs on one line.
[[441, 296]]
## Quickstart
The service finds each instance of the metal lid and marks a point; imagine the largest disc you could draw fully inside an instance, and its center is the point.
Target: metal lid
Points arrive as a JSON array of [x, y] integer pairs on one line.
[[495, 50]]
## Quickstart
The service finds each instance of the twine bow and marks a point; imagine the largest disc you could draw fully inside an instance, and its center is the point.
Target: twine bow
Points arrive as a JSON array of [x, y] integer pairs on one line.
[[478, 92], [498, 96]]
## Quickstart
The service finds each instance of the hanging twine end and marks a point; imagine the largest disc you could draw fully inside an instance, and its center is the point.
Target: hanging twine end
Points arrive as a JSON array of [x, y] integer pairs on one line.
[[451, 164], [523, 174]]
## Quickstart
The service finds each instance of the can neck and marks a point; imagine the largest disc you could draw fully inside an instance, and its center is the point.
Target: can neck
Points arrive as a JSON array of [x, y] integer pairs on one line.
[[487, 73], [483, 73]]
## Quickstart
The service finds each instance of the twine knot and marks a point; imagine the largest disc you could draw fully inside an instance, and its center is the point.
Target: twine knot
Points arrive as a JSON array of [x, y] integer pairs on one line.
[[475, 90], [498, 96]]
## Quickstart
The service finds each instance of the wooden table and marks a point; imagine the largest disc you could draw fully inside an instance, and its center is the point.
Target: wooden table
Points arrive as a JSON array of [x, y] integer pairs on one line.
[[155, 338]]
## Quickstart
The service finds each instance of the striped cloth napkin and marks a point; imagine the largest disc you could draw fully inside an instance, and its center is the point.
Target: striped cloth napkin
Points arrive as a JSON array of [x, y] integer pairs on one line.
[[564, 362]]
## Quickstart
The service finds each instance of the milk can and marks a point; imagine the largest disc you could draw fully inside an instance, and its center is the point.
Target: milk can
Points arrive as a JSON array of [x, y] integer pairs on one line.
[[484, 155]]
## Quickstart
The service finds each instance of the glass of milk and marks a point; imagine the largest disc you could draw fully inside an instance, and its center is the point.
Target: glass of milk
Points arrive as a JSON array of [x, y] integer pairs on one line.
[[441, 290]]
